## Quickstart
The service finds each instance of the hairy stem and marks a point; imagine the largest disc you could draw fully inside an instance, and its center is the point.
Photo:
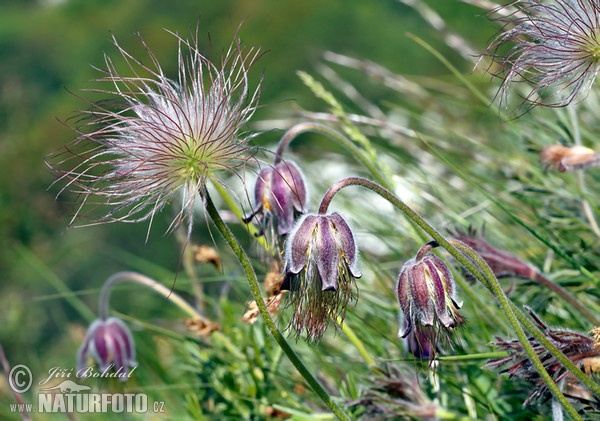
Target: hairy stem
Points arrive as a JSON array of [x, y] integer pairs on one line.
[[262, 308], [138, 278], [307, 127], [474, 264]]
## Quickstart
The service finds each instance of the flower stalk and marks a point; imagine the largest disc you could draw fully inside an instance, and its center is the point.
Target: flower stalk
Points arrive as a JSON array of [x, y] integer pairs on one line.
[[262, 308], [138, 278], [482, 272]]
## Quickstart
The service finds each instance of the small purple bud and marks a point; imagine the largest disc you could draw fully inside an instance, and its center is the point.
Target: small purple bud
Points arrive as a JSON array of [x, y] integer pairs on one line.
[[108, 342], [320, 272], [280, 194], [427, 299]]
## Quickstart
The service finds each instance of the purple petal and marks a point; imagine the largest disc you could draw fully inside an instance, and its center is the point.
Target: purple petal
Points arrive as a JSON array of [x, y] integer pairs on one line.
[[100, 346], [348, 244], [419, 292], [404, 288], [296, 252], [327, 254], [419, 345], [84, 351], [296, 183], [404, 299], [264, 178], [441, 307], [282, 203], [120, 331]]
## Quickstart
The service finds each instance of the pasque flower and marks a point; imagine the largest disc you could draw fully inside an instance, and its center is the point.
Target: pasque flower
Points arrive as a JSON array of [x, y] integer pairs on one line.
[[280, 194], [427, 297], [108, 342], [157, 140], [556, 49], [320, 271]]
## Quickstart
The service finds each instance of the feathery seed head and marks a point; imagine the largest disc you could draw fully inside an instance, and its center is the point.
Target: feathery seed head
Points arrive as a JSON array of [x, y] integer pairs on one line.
[[157, 139]]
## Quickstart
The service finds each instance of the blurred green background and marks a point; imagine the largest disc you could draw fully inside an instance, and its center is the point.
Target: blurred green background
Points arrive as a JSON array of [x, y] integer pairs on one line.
[[48, 48]]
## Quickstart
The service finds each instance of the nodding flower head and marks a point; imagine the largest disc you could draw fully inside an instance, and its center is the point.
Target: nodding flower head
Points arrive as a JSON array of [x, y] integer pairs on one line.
[[556, 49], [428, 301], [157, 140], [280, 194], [108, 342], [320, 271]]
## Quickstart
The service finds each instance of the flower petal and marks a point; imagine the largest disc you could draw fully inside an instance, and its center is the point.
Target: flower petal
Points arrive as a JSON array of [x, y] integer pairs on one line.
[[298, 242], [296, 182], [327, 254], [348, 245]]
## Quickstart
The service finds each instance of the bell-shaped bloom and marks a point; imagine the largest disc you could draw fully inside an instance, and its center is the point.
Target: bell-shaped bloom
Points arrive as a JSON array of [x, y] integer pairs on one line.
[[426, 293], [320, 272], [556, 49], [156, 140], [110, 344], [280, 194]]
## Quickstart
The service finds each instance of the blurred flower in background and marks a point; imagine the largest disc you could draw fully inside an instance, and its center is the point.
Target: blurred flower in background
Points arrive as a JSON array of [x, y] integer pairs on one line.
[[556, 49], [109, 343]]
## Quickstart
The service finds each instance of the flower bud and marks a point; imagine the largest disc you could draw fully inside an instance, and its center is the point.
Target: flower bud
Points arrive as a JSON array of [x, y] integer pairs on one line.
[[320, 270], [280, 194], [427, 299], [108, 342]]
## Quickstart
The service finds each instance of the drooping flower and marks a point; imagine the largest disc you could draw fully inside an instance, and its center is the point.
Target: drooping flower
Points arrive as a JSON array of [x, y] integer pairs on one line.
[[157, 140], [109, 343], [502, 262], [427, 297], [320, 272], [280, 194], [581, 349], [556, 49]]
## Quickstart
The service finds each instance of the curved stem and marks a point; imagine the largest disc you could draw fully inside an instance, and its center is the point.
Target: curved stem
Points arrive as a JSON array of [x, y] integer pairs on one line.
[[120, 277], [474, 264], [307, 127], [262, 308], [562, 359]]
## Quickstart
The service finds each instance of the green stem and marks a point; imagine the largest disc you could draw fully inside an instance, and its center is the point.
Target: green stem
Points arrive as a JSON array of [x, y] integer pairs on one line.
[[307, 127], [474, 264], [515, 316], [120, 277], [357, 344], [563, 359], [262, 308], [494, 199]]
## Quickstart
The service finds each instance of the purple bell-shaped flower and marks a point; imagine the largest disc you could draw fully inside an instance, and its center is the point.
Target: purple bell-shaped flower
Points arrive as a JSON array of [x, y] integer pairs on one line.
[[109, 343], [427, 299], [280, 194], [320, 271]]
